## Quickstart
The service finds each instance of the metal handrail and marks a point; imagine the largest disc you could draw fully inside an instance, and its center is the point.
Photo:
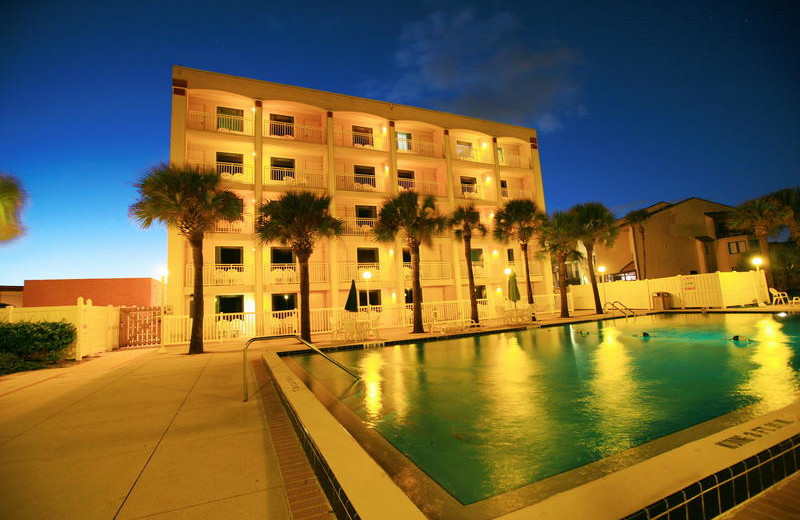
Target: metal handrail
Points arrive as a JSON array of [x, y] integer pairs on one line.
[[621, 307], [295, 336]]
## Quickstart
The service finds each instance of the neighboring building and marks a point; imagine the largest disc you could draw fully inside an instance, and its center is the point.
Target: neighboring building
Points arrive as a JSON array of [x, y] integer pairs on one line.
[[141, 292], [266, 138], [10, 295], [688, 237]]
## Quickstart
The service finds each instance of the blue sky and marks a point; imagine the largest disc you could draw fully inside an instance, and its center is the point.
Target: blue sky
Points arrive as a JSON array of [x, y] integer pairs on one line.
[[634, 103]]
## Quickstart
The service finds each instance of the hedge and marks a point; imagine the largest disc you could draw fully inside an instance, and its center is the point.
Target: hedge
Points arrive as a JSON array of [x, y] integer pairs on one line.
[[37, 341]]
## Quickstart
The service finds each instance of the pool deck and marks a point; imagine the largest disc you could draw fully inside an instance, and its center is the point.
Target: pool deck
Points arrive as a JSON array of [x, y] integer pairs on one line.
[[139, 434]]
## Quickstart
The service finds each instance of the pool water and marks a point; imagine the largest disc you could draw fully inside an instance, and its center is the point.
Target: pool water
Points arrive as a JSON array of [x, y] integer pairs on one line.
[[487, 414]]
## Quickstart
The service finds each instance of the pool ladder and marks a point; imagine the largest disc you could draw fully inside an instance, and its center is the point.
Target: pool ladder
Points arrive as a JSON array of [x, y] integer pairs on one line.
[[298, 338], [621, 307]]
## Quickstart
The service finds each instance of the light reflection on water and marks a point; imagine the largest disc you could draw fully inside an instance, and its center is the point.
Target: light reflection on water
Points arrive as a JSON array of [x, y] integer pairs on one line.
[[484, 415]]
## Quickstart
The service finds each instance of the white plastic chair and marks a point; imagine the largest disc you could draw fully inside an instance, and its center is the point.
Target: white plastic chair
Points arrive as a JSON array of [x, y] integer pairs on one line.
[[778, 296]]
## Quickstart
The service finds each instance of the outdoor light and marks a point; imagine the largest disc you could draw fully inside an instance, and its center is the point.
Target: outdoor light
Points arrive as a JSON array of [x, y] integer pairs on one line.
[[391, 252], [494, 253], [483, 145], [253, 109], [499, 290], [488, 179], [254, 154], [383, 129], [491, 214], [286, 297], [507, 271], [386, 169], [757, 261], [366, 275]]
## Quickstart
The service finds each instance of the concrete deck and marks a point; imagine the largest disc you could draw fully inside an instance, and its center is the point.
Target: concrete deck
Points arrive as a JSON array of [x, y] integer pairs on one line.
[[136, 434]]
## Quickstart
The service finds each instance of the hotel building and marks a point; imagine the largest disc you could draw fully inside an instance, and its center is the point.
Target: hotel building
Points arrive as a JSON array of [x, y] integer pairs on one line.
[[265, 139]]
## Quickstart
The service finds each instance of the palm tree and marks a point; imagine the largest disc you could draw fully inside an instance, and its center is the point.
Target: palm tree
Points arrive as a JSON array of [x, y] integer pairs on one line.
[[519, 219], [558, 237], [12, 199], [764, 215], [416, 221], [595, 226], [466, 221], [635, 220], [299, 219], [789, 198], [192, 200]]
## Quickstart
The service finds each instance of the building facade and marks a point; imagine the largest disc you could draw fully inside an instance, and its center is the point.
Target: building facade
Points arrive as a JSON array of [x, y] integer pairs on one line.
[[265, 139]]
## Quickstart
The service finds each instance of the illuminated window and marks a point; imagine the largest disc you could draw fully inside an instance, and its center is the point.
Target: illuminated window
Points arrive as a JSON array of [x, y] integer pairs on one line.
[[231, 119], [464, 149], [739, 246], [404, 141], [281, 125], [501, 155], [362, 136]]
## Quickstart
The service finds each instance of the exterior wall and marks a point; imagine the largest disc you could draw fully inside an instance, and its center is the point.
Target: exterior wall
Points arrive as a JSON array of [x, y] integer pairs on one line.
[[142, 292], [331, 137], [726, 261], [11, 295]]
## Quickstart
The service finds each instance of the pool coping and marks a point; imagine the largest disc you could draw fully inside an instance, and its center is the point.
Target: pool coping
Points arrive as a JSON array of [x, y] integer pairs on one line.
[[372, 494]]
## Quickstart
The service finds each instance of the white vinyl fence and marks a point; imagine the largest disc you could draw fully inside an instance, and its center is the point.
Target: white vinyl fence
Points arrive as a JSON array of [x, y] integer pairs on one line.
[[97, 327], [710, 290]]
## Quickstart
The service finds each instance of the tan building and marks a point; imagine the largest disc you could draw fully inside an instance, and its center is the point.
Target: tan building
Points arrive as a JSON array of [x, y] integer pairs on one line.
[[266, 138], [688, 237], [140, 292]]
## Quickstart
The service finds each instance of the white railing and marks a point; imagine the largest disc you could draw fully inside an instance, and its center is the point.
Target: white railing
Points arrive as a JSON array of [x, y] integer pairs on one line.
[[417, 147], [515, 193], [360, 140], [423, 187], [358, 226], [222, 274], [429, 270], [290, 178], [220, 123], [478, 269], [355, 270], [515, 161], [518, 267], [303, 133], [468, 191], [234, 172], [290, 273], [244, 226], [355, 182]]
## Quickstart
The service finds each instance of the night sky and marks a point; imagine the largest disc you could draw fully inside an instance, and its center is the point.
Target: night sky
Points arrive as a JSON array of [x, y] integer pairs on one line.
[[634, 103]]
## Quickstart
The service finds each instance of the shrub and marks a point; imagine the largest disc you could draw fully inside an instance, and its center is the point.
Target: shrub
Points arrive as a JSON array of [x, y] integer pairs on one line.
[[37, 341], [10, 363]]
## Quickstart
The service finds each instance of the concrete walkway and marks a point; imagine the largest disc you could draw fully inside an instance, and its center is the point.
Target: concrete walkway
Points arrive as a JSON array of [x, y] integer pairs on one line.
[[136, 434]]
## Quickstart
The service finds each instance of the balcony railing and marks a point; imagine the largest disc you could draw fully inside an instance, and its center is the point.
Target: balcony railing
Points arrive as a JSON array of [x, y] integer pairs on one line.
[[355, 182], [360, 140], [234, 172], [422, 187], [468, 191], [515, 193], [291, 178], [429, 270], [244, 226], [355, 271], [290, 273], [478, 269], [515, 161], [222, 274], [417, 147], [358, 226], [303, 133], [518, 266], [220, 123]]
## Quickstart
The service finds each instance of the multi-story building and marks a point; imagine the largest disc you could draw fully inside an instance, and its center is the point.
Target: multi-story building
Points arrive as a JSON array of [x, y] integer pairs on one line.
[[266, 138]]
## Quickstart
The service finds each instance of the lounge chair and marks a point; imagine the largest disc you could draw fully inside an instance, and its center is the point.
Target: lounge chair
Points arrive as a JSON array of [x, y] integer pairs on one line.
[[778, 296]]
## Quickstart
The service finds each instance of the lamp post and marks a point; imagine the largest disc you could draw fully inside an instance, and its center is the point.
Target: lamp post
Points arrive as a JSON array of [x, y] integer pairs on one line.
[[367, 275], [757, 261], [163, 273]]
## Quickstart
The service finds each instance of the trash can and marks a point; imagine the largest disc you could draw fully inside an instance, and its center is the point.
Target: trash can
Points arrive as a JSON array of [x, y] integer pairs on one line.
[[662, 301]]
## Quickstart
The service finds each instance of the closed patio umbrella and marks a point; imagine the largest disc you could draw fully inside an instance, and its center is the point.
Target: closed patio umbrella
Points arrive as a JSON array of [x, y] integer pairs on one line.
[[351, 305], [513, 289]]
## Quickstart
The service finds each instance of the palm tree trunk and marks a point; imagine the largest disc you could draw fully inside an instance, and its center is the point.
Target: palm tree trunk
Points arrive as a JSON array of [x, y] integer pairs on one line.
[[763, 246], [644, 254], [473, 302], [196, 338], [562, 285], [416, 290], [636, 262], [305, 305], [524, 247], [598, 306]]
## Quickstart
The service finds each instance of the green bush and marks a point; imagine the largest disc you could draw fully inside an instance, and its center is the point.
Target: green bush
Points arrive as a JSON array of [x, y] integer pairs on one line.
[[10, 363], [37, 341]]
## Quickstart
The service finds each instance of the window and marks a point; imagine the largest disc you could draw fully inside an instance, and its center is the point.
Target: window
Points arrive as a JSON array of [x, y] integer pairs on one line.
[[480, 292], [280, 168], [230, 163], [503, 188], [736, 247], [501, 155], [231, 119], [366, 215], [281, 255], [469, 185], [510, 255], [406, 256], [364, 175], [281, 125], [374, 297], [405, 179], [367, 255], [404, 141], [464, 150], [230, 303], [229, 255], [283, 302], [476, 256], [362, 136], [409, 295]]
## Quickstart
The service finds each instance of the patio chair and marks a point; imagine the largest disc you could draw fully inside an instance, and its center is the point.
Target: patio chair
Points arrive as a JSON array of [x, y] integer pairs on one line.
[[337, 329], [778, 296]]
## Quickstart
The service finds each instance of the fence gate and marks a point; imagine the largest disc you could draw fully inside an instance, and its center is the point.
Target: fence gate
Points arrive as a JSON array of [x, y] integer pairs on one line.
[[139, 326]]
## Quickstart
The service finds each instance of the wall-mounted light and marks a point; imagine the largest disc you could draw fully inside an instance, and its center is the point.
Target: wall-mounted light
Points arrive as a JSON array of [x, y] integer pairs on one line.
[[253, 109], [383, 130], [494, 252], [488, 179], [386, 169], [491, 214], [391, 252]]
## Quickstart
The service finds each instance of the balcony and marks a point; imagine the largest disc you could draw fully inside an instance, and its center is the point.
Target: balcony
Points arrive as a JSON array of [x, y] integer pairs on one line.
[[468, 192], [293, 132], [226, 124], [355, 182], [290, 273], [478, 269], [515, 161], [515, 193], [358, 226], [222, 274], [429, 271], [360, 140], [244, 226], [355, 270], [291, 178], [234, 172], [417, 147], [422, 187]]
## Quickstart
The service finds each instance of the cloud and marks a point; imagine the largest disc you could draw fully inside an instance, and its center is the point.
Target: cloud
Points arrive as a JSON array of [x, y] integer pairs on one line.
[[481, 66]]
